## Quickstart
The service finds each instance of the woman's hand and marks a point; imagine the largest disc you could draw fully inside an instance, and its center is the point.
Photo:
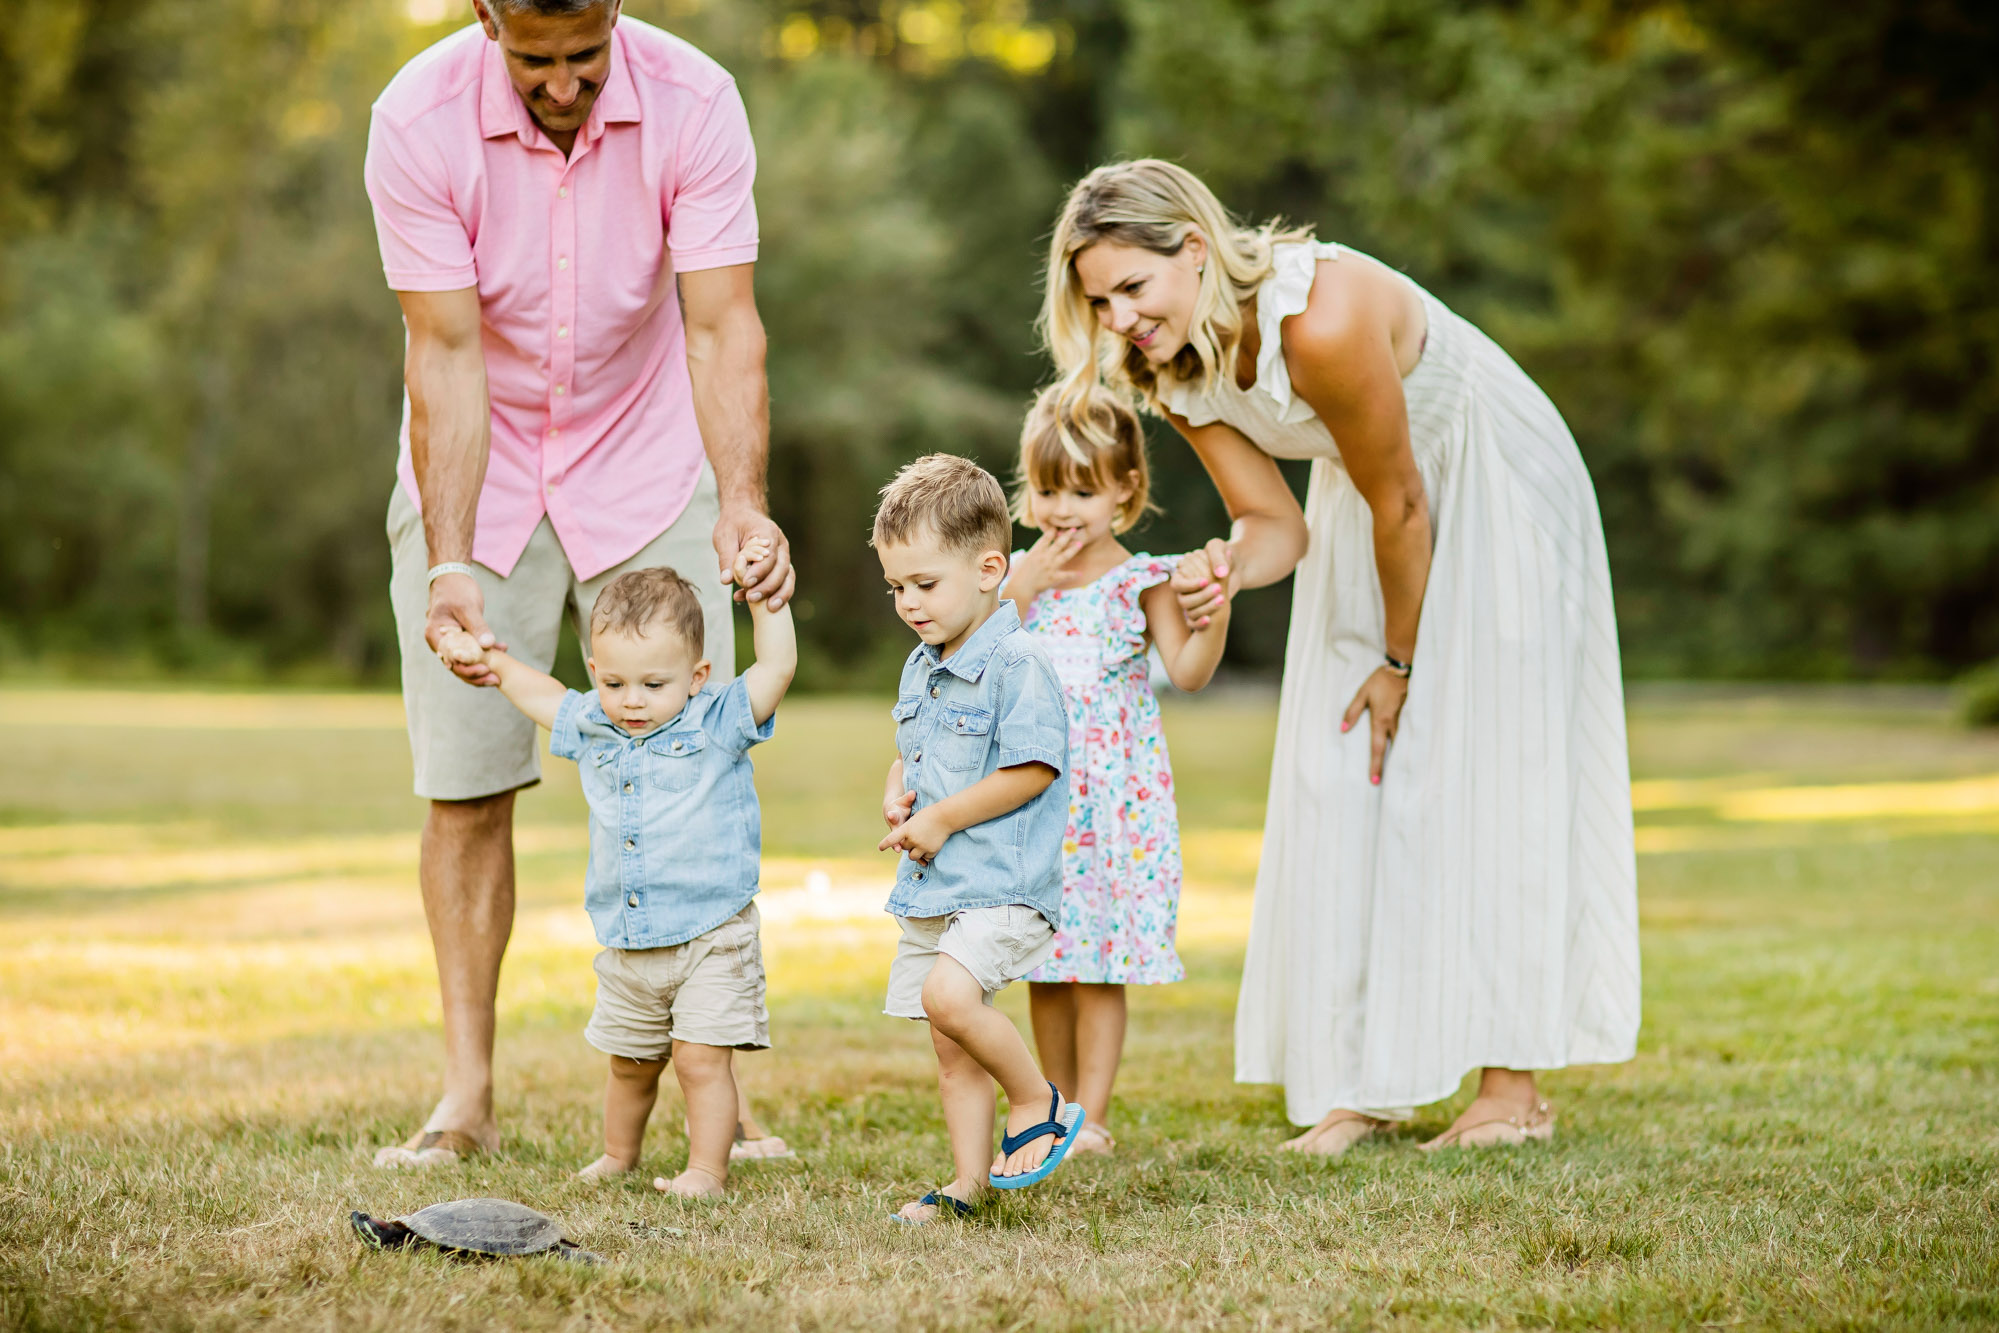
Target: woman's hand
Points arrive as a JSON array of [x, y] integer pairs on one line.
[[1040, 565], [1381, 697], [1205, 582]]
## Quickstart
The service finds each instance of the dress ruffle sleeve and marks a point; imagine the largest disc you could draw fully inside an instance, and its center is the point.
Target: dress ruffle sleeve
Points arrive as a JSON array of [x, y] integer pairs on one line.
[[1124, 618], [1286, 292]]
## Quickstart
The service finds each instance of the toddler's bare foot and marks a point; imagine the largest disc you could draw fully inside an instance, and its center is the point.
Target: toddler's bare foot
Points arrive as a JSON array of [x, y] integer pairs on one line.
[[693, 1183], [607, 1167]]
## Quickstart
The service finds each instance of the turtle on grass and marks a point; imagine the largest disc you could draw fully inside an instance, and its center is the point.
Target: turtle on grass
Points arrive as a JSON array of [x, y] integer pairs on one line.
[[473, 1227]]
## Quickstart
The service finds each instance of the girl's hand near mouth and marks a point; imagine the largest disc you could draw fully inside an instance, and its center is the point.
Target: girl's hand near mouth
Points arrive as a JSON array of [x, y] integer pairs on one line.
[[1040, 567]]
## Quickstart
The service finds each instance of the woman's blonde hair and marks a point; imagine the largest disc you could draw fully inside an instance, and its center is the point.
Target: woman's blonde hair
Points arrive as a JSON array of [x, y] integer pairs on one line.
[[1152, 205], [1108, 451]]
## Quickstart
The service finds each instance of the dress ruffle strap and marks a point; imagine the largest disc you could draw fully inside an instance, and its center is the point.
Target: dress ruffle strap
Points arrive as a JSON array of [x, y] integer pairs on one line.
[[1124, 617], [1286, 292]]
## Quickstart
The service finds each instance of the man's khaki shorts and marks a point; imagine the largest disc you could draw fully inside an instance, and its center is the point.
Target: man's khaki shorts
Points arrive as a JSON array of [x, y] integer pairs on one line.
[[709, 991], [997, 945], [467, 742]]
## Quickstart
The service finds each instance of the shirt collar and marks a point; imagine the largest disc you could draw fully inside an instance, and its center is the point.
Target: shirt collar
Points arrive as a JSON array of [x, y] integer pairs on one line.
[[969, 662], [502, 112]]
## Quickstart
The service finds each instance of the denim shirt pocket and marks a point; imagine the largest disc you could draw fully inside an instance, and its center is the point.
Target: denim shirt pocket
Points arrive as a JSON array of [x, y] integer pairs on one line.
[[674, 760], [963, 736]]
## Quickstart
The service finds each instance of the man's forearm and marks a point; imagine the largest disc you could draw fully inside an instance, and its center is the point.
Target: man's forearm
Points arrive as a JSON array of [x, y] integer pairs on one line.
[[450, 436], [732, 404]]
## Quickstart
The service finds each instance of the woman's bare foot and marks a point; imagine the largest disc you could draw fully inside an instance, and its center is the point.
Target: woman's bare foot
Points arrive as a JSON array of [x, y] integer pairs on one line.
[[607, 1167], [693, 1183], [1508, 1109], [1339, 1131]]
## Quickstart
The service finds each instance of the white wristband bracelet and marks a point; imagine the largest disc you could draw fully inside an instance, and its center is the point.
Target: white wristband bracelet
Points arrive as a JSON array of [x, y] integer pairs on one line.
[[448, 567]]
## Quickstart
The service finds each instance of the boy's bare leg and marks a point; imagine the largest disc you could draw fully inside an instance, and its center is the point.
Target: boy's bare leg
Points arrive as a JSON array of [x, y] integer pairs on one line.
[[956, 1007], [967, 1093], [708, 1086], [1051, 1008], [629, 1094], [466, 868]]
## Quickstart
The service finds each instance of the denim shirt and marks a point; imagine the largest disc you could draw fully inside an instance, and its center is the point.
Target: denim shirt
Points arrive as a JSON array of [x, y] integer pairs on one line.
[[995, 703], [675, 833]]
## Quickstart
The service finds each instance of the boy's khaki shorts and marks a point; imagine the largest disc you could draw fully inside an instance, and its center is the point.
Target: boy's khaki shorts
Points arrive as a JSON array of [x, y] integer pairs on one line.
[[468, 742], [709, 991], [997, 945]]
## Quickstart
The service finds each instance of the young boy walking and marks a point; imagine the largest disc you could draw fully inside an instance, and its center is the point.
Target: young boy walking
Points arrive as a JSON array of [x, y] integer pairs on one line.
[[675, 850], [974, 807]]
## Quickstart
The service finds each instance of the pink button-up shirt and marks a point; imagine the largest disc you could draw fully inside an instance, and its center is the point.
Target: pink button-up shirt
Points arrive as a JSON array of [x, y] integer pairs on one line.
[[574, 259]]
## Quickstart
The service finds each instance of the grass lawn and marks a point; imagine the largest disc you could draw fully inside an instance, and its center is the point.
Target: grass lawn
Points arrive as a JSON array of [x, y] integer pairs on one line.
[[216, 998]]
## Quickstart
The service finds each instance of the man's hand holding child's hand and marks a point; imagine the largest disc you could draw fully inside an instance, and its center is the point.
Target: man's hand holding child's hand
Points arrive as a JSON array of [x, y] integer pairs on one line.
[[456, 647], [920, 834]]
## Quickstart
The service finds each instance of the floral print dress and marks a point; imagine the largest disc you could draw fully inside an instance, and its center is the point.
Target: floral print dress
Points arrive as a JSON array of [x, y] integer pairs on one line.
[[1121, 852]]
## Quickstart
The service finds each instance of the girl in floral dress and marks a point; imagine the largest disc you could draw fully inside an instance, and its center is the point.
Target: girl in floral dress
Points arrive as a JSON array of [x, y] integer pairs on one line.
[[1096, 608]]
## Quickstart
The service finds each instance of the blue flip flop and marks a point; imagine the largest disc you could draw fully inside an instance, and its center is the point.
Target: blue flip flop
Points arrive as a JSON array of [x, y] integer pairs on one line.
[[938, 1199], [1061, 1125]]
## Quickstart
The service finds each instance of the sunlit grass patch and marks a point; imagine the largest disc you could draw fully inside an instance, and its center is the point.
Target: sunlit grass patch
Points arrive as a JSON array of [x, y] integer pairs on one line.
[[216, 996]]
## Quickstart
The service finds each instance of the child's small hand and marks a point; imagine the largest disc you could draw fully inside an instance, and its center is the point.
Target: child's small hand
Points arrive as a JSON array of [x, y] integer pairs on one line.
[[1040, 565], [753, 551], [455, 647], [920, 835], [1195, 581], [897, 810]]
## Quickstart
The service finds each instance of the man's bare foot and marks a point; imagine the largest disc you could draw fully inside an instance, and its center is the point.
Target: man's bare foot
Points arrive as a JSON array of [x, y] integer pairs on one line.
[[1339, 1131], [607, 1167], [693, 1183]]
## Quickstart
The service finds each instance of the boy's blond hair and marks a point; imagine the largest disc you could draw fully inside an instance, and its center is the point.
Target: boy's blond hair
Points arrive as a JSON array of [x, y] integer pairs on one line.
[[1107, 453], [953, 497], [639, 599]]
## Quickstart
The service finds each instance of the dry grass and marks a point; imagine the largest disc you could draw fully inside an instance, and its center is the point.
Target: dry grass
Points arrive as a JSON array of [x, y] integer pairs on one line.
[[217, 997]]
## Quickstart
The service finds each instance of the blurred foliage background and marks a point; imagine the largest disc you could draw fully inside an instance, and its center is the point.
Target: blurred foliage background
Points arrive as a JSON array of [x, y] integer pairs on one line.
[[1752, 251]]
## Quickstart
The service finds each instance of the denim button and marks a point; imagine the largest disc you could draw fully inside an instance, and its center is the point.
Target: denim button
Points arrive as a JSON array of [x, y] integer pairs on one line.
[[934, 691], [633, 900], [628, 786], [916, 758], [629, 844], [917, 877]]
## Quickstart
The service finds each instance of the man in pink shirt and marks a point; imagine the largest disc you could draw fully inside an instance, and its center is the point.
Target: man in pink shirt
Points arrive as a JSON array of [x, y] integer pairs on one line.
[[563, 201]]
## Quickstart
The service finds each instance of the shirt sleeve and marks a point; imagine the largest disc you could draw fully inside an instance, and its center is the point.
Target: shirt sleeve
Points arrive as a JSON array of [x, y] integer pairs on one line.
[[711, 218], [1033, 716], [565, 738], [425, 247], [732, 722]]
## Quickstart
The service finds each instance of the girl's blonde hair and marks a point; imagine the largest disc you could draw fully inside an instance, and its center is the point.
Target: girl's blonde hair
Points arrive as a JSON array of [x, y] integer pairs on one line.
[[1099, 444], [1152, 205]]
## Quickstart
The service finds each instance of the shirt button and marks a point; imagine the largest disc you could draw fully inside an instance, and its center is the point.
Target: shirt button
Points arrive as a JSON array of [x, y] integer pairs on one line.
[[633, 900], [934, 691], [550, 488], [554, 431], [562, 262], [916, 758], [562, 330], [559, 391], [630, 843], [628, 786], [562, 191], [917, 877]]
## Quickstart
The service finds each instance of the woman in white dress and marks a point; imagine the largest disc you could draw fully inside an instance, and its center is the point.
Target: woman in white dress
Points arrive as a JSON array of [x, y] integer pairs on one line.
[[1447, 881]]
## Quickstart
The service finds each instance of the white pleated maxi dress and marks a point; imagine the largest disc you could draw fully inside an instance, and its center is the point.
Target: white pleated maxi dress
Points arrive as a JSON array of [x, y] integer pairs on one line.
[[1479, 908]]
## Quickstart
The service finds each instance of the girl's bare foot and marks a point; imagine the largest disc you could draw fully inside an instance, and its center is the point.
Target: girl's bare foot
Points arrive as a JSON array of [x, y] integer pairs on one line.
[[693, 1183], [607, 1167], [1093, 1138], [1339, 1131]]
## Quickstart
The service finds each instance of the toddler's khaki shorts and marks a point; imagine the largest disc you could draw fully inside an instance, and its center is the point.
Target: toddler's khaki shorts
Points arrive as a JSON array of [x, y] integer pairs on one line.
[[997, 945], [709, 991]]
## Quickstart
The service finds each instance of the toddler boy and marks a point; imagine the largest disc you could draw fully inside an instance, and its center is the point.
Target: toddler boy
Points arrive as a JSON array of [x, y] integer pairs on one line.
[[974, 806], [675, 844]]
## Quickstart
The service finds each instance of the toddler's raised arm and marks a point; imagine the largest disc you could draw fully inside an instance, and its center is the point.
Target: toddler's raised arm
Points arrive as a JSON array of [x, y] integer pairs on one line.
[[772, 636], [535, 693]]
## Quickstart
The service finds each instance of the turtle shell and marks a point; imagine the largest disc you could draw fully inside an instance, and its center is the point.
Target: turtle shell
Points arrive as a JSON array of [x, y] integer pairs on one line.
[[485, 1226]]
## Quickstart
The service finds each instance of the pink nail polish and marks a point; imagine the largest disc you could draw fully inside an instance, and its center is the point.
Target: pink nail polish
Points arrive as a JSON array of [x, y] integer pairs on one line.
[[1346, 727], [1376, 779]]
